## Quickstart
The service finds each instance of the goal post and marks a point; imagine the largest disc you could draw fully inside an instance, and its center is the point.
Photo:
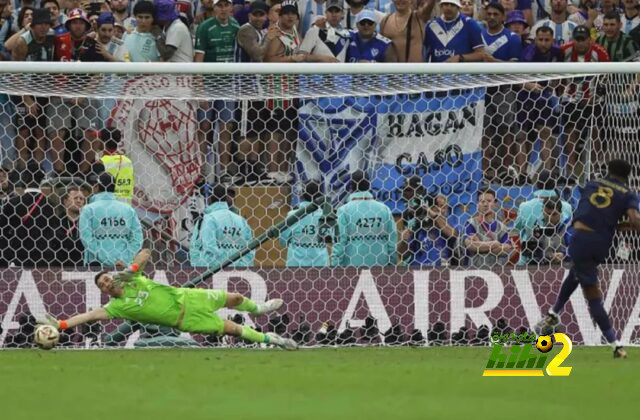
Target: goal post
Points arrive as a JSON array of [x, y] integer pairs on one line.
[[450, 152]]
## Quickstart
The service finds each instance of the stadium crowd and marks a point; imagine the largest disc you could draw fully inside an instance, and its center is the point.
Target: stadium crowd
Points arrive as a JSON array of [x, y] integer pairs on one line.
[[37, 133], [39, 129]]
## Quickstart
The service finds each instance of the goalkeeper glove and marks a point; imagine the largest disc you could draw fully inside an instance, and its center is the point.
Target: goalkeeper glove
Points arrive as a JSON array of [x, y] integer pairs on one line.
[[49, 320], [125, 276]]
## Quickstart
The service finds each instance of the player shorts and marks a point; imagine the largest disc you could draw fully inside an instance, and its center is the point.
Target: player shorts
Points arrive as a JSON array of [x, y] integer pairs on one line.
[[587, 251], [200, 306]]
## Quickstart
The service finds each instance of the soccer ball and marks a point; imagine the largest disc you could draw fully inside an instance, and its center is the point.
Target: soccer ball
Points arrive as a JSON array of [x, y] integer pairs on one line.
[[544, 344], [46, 337]]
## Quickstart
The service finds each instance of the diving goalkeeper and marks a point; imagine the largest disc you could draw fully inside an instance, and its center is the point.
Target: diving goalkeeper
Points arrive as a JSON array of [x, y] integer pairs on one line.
[[137, 298]]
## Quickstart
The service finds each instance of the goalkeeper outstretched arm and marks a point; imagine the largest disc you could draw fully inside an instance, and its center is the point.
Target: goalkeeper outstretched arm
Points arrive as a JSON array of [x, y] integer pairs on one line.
[[98, 314]]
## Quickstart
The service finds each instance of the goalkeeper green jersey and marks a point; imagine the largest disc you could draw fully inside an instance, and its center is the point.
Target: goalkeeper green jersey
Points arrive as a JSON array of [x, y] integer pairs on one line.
[[144, 300]]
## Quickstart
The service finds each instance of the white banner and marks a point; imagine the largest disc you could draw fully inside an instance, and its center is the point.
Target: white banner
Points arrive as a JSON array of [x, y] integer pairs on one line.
[[160, 137]]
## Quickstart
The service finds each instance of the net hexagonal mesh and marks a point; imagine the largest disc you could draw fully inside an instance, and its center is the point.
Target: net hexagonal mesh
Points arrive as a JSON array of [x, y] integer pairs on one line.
[[397, 209]]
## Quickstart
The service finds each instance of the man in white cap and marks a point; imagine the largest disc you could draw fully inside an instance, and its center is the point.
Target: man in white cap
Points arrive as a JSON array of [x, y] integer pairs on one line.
[[367, 46], [453, 37]]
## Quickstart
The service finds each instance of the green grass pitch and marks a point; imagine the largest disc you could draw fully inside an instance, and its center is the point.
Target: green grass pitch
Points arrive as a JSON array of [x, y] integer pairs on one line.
[[344, 383]]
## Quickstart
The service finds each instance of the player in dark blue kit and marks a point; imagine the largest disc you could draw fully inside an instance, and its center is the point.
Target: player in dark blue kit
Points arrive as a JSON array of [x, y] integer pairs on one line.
[[603, 203]]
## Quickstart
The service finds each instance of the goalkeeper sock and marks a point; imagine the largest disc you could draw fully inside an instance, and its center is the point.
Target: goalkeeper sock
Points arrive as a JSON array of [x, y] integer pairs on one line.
[[254, 336], [569, 285], [247, 305]]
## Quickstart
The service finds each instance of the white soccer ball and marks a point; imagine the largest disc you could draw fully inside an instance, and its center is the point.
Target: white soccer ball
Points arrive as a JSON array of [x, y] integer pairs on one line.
[[46, 337]]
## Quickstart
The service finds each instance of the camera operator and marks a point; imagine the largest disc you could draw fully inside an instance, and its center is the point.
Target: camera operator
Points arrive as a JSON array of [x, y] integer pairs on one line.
[[428, 237], [548, 238]]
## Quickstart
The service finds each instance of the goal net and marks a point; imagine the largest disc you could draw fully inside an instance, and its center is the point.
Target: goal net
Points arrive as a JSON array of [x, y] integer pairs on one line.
[[444, 196]]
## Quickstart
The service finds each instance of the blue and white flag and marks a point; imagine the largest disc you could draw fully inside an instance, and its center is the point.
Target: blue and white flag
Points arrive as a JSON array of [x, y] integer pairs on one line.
[[392, 138]]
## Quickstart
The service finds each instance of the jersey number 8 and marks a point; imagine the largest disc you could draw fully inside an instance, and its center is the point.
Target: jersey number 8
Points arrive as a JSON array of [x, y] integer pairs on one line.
[[602, 198]]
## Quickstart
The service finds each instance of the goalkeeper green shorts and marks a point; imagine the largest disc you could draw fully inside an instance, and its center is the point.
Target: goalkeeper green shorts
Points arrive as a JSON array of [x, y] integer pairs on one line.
[[200, 306]]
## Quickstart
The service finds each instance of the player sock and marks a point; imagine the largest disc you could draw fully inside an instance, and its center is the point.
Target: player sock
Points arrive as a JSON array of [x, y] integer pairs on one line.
[[569, 285], [254, 336], [247, 305], [596, 308]]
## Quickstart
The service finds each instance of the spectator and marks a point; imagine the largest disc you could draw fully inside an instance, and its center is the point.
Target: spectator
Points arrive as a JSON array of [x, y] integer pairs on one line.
[[366, 45], [549, 238], [468, 8], [111, 48], [405, 29], [70, 117], [6, 24], [355, 7], [221, 234], [500, 44], [311, 11], [586, 14], [22, 11], [327, 36], [119, 30], [305, 243], [517, 24], [31, 44], [536, 104], [253, 42], [25, 223], [216, 42], [252, 39], [619, 45], [241, 11], [57, 18], [558, 21], [430, 237], [141, 44], [216, 37], [606, 6], [120, 10], [367, 234], [522, 6], [580, 108], [284, 116], [117, 164], [75, 45], [67, 246], [542, 50], [109, 229], [530, 212], [630, 16], [208, 11], [452, 37], [174, 40], [498, 135], [486, 238]]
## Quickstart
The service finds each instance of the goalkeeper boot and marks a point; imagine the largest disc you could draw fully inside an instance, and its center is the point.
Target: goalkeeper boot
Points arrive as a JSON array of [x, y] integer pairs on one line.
[[619, 353], [269, 306], [283, 343], [547, 325]]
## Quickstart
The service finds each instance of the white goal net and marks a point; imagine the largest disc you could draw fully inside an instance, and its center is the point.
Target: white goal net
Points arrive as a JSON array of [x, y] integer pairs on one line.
[[422, 238]]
